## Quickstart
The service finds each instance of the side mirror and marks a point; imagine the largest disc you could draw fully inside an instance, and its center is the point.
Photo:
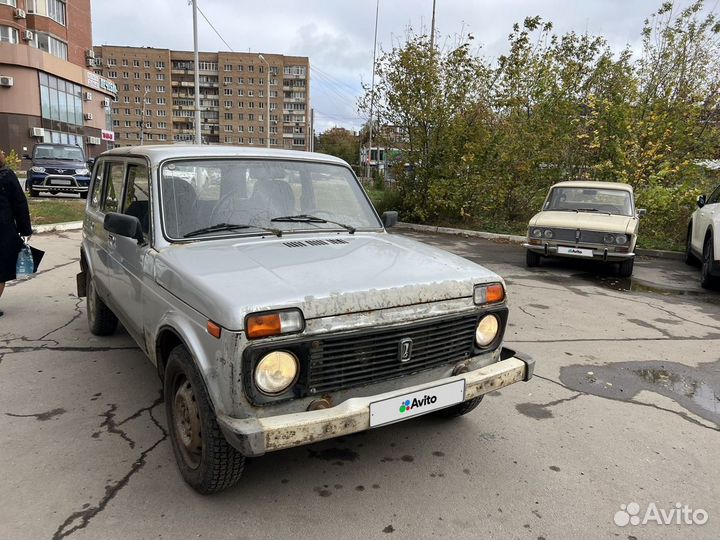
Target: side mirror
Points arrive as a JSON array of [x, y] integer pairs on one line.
[[389, 219], [701, 201], [27, 156], [124, 225], [90, 163], [641, 212]]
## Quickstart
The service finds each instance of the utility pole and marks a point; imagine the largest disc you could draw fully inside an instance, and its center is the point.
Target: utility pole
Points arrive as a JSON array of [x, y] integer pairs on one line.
[[432, 29], [267, 98], [198, 128], [372, 93]]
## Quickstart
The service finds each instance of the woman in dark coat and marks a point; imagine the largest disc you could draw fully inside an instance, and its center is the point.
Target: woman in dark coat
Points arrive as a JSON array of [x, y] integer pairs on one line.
[[14, 222]]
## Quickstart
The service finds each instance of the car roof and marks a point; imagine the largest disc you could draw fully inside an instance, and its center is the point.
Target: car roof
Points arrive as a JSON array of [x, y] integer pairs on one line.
[[160, 152], [583, 184]]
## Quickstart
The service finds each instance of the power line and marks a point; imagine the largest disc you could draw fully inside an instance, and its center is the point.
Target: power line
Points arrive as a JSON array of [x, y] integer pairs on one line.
[[215, 29]]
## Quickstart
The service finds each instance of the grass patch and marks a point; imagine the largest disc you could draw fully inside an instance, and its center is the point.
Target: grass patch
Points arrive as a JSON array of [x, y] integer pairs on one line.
[[45, 212]]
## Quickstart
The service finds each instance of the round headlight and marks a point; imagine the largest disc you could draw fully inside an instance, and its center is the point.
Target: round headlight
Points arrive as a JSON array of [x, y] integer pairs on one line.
[[276, 372], [82, 172], [487, 330], [609, 239], [621, 239], [548, 233], [537, 233]]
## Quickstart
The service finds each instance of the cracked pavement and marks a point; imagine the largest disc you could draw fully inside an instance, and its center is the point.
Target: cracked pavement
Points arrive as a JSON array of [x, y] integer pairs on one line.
[[625, 406]]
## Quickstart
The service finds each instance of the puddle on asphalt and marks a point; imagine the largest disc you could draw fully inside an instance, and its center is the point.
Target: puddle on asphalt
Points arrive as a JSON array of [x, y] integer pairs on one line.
[[696, 389], [631, 285]]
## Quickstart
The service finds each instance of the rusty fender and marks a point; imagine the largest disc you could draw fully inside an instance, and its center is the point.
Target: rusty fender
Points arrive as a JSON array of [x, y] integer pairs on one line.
[[256, 436]]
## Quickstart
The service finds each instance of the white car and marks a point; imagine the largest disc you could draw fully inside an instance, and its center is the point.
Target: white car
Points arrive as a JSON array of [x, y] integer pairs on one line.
[[586, 220], [703, 239]]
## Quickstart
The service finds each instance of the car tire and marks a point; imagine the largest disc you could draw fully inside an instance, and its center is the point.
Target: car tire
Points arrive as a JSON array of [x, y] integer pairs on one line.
[[34, 192], [532, 259], [625, 268], [707, 280], [206, 460], [101, 320], [690, 259], [460, 409]]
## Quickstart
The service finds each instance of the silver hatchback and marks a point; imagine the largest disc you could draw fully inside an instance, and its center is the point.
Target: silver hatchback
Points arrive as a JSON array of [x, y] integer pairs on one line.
[[278, 311]]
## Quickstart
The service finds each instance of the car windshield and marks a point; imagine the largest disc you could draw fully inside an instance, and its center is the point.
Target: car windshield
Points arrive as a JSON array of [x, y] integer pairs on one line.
[[603, 200], [205, 198], [63, 153]]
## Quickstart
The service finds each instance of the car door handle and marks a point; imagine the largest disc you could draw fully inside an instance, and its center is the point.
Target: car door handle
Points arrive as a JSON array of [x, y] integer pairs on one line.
[[112, 241]]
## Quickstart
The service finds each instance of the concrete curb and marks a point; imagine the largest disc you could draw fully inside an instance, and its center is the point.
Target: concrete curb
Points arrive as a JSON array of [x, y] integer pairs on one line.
[[57, 227], [656, 253]]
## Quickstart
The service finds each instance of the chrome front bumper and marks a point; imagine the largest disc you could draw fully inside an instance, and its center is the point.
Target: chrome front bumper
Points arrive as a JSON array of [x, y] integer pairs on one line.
[[599, 253], [256, 436]]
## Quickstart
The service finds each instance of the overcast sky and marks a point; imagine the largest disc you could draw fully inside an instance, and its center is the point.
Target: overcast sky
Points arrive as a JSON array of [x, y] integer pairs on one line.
[[337, 35]]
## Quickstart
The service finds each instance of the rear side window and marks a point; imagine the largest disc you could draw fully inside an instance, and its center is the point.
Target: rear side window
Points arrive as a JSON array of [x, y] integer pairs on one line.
[[137, 195], [95, 196], [114, 182]]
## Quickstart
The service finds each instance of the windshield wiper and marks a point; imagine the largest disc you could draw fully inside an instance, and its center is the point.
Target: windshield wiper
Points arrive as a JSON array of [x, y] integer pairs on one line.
[[305, 218], [229, 227], [587, 210]]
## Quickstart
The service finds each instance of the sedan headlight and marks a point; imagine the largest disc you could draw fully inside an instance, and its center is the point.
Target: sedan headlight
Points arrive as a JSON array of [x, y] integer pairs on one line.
[[276, 372], [487, 330], [548, 233], [37, 169], [621, 239], [82, 172], [609, 238], [536, 233]]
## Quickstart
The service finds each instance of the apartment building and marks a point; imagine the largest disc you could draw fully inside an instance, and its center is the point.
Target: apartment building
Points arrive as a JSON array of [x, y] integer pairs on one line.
[[246, 99], [47, 94]]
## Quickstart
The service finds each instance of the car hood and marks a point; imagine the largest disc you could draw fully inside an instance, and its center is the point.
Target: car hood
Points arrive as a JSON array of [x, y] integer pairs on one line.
[[585, 221], [59, 164], [227, 279]]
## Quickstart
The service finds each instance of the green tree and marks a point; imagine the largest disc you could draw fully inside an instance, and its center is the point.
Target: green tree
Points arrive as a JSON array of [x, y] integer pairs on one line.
[[341, 143]]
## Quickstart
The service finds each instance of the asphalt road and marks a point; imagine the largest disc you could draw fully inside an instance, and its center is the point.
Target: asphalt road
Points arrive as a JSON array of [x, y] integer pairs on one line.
[[624, 408]]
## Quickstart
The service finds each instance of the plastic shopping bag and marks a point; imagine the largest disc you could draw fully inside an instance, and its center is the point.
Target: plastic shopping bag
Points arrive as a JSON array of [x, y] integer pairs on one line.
[[25, 266]]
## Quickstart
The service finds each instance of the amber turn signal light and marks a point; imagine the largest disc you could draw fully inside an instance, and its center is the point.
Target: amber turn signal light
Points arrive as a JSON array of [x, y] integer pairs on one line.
[[489, 294], [214, 329], [274, 323]]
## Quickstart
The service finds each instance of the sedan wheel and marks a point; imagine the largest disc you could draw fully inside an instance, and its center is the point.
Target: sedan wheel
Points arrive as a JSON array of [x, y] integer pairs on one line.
[[707, 280]]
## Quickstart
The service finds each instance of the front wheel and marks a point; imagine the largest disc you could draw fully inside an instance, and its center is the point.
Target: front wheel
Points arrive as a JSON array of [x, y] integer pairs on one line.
[[83, 195], [625, 268], [532, 259], [707, 280], [34, 192], [205, 459], [461, 408]]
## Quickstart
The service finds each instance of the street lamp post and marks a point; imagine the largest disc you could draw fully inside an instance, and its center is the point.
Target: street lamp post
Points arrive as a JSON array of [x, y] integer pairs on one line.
[[267, 98], [198, 128]]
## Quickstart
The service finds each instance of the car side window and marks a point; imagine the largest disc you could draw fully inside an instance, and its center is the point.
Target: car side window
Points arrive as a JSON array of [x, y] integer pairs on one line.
[[97, 186], [714, 197], [137, 195], [114, 185]]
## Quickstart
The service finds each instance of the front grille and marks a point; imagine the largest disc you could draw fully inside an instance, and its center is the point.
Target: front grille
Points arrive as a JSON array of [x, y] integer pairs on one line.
[[336, 363], [570, 235]]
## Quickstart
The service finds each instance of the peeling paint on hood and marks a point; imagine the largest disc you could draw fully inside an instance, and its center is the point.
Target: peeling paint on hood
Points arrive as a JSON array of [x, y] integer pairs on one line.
[[227, 279]]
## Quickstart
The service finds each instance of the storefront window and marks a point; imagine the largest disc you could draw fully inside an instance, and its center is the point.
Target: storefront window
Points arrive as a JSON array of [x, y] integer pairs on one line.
[[62, 109]]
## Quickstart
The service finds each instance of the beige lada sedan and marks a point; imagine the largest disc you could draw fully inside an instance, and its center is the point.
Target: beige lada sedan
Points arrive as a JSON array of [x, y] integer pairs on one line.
[[586, 220]]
